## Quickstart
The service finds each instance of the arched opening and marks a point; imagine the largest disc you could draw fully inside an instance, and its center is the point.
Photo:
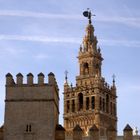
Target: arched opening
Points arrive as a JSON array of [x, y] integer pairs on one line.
[[107, 103], [86, 68], [80, 101], [68, 106], [114, 109], [100, 103], [111, 108], [87, 103], [104, 105], [28, 128], [73, 106], [93, 102]]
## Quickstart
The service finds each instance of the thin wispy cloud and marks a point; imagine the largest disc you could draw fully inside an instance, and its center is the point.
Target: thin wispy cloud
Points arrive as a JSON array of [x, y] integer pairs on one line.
[[131, 88], [46, 39], [40, 39], [130, 21], [41, 56], [119, 42], [38, 14], [10, 50]]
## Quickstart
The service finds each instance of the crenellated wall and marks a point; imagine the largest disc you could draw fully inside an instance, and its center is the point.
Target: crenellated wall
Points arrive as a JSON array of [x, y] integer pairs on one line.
[[94, 134], [30, 80], [31, 109]]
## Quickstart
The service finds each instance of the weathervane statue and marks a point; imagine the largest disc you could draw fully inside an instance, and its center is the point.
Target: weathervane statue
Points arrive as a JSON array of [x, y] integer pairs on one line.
[[88, 14]]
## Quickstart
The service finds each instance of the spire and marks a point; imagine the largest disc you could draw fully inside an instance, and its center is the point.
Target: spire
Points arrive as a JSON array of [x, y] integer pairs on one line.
[[66, 76], [127, 128], [90, 58], [89, 41], [66, 85], [114, 80]]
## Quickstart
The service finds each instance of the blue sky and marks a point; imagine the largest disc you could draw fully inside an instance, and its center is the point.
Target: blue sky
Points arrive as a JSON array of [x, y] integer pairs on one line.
[[45, 35]]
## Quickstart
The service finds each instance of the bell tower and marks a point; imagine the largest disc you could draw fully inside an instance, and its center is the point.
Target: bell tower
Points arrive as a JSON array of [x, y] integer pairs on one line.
[[92, 101], [90, 59]]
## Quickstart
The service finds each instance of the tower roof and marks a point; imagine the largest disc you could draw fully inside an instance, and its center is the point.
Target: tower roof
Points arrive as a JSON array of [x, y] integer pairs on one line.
[[51, 74], [94, 128], [8, 75], [60, 127], [128, 128], [19, 74], [40, 74], [77, 128], [30, 74]]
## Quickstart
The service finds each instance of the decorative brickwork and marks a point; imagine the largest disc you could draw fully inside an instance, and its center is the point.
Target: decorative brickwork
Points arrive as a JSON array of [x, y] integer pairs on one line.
[[92, 100]]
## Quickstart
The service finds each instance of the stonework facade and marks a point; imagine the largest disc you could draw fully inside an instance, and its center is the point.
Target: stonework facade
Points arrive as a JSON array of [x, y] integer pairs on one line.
[[92, 100], [31, 110]]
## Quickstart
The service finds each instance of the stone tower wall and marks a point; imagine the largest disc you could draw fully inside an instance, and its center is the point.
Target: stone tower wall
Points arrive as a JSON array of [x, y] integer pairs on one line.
[[92, 100], [31, 110]]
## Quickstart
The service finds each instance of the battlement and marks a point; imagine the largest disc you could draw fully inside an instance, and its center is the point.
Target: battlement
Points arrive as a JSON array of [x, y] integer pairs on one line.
[[30, 80], [19, 90], [33, 105], [92, 82]]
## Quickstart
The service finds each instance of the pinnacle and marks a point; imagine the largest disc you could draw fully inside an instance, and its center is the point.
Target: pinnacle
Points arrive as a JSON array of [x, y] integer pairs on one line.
[[77, 128], [19, 74], [60, 127], [29, 74], [51, 74], [128, 128], [94, 128], [40, 74], [8, 75]]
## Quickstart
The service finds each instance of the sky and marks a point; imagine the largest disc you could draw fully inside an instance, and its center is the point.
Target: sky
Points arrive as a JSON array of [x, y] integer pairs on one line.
[[45, 35]]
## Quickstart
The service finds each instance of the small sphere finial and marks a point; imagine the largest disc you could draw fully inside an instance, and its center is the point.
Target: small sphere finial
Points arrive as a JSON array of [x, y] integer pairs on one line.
[[136, 131], [88, 14]]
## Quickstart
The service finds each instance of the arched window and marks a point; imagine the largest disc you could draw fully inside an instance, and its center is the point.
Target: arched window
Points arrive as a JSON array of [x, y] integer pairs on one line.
[[87, 103], [111, 108], [93, 102], [68, 106], [104, 105], [73, 106], [86, 68], [100, 103], [107, 103], [28, 128], [114, 108], [80, 101]]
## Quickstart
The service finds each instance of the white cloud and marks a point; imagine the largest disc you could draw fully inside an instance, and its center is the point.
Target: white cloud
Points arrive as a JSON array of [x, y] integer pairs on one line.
[[39, 38], [46, 39], [38, 14], [9, 49], [119, 42], [127, 20], [130, 21]]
